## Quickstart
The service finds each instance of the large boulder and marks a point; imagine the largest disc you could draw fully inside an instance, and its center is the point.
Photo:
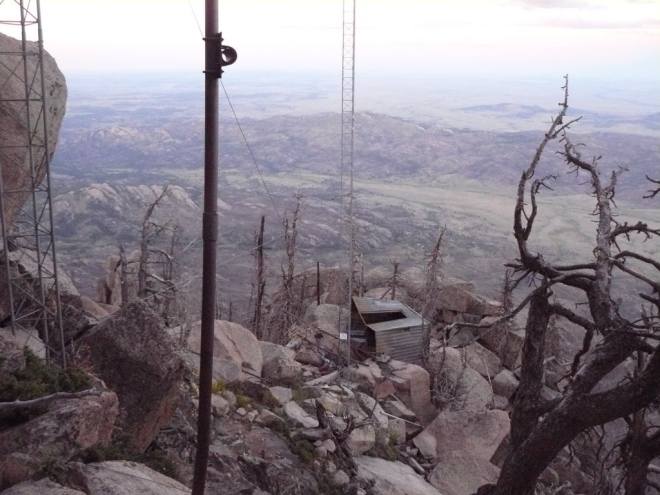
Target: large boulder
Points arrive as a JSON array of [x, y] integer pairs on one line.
[[483, 361], [504, 341], [62, 432], [44, 486], [322, 325], [413, 386], [462, 443], [461, 387], [392, 478], [237, 352], [121, 478], [14, 161], [479, 433], [279, 363], [136, 357]]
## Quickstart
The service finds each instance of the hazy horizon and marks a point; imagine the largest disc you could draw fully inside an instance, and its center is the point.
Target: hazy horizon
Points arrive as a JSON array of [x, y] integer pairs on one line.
[[608, 39]]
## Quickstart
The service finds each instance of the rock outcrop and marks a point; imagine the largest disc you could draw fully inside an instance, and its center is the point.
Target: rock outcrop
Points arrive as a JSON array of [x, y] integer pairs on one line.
[[120, 478], [63, 431], [237, 352], [14, 159], [44, 486], [462, 444], [392, 478], [137, 359], [13, 120]]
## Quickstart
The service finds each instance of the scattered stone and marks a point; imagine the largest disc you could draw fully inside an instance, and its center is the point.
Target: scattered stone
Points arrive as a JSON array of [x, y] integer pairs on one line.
[[505, 384], [340, 478], [399, 409], [371, 407], [68, 427], [322, 325], [310, 357], [392, 478], [504, 342], [281, 394], [297, 414], [396, 428], [279, 364], [332, 404], [235, 349], [121, 478], [361, 440], [329, 378], [483, 361], [230, 397], [460, 473], [413, 387], [219, 405], [252, 415], [462, 443], [269, 419], [500, 402], [464, 387], [241, 411], [476, 433], [361, 375], [43, 486]]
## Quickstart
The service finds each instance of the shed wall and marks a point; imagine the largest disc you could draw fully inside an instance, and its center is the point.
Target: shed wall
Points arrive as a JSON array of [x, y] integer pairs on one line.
[[402, 344]]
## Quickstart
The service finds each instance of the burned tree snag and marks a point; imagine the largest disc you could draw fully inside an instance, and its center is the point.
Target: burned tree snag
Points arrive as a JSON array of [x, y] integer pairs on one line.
[[260, 282], [541, 428]]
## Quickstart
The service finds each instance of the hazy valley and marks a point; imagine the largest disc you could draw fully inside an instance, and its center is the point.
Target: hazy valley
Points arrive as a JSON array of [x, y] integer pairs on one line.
[[412, 177]]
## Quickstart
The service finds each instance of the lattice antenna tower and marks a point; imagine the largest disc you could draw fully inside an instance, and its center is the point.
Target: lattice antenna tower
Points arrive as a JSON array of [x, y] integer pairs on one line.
[[348, 142], [32, 294]]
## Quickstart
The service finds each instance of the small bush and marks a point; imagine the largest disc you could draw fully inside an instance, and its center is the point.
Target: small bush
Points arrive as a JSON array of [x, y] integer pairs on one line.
[[37, 379], [218, 387], [118, 450], [243, 401], [303, 449]]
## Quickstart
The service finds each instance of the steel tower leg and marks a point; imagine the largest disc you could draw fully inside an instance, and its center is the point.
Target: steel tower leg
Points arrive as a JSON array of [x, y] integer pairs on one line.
[[28, 237]]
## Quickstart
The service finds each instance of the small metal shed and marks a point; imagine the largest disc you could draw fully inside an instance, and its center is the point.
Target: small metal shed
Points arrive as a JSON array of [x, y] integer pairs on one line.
[[388, 327]]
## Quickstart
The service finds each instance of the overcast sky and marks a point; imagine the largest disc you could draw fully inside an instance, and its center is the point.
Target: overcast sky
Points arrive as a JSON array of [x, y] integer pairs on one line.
[[598, 38]]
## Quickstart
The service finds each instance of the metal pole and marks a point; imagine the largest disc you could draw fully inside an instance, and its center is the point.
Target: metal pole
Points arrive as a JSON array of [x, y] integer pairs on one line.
[[348, 119], [210, 236]]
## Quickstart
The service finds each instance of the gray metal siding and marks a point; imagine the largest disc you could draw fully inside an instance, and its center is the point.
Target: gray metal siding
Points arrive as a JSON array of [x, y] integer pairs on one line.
[[401, 344]]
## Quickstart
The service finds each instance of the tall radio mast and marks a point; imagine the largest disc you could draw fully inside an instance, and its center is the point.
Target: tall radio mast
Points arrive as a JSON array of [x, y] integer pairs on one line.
[[348, 141]]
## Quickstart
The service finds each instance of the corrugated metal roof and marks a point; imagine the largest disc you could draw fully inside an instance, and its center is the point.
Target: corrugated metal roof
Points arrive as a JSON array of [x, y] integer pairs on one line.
[[366, 305]]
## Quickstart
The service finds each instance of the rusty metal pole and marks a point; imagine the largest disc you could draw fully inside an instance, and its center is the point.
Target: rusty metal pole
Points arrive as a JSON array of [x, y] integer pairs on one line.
[[213, 71]]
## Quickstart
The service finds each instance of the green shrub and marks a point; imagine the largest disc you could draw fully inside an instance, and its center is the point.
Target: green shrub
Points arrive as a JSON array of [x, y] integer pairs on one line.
[[218, 387], [118, 450], [38, 378], [303, 449]]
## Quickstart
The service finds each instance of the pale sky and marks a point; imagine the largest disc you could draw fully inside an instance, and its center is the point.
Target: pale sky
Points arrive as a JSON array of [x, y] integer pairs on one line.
[[593, 38]]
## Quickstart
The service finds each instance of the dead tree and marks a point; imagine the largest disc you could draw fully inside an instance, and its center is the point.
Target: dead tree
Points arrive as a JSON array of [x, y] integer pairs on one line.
[[148, 232], [541, 428], [123, 275], [394, 281], [260, 280], [431, 290], [290, 239]]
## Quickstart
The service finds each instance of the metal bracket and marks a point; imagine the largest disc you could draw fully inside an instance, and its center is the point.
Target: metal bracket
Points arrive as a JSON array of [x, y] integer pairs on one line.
[[218, 55]]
